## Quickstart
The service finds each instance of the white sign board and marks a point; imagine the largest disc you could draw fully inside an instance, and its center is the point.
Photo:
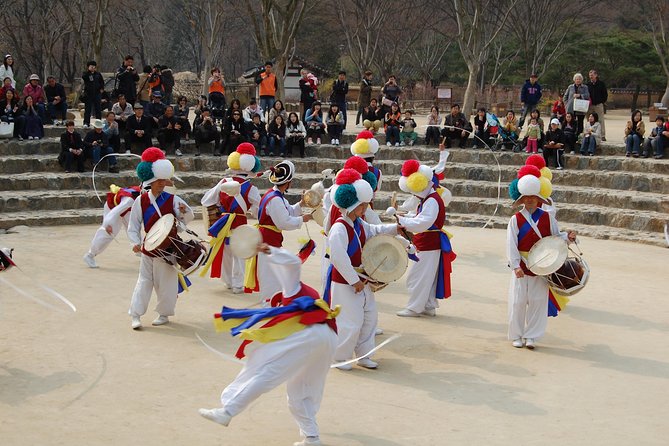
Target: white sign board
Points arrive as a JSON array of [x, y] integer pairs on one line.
[[443, 93]]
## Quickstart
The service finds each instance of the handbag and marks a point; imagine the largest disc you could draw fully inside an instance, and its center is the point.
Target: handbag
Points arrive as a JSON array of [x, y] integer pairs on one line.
[[387, 102], [6, 129], [581, 105]]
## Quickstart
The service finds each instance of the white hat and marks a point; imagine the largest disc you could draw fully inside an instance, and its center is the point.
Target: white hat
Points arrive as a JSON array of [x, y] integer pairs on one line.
[[34, 77], [555, 121], [350, 190], [98, 124]]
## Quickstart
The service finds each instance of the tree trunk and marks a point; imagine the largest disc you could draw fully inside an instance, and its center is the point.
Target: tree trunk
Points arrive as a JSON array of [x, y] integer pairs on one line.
[[470, 92], [665, 96]]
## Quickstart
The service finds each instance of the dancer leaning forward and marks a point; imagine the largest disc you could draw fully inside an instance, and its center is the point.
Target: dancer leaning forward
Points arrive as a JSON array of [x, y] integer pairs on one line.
[[298, 339], [528, 293]]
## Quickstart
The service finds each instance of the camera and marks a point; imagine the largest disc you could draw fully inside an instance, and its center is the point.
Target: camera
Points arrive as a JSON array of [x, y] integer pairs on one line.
[[253, 72]]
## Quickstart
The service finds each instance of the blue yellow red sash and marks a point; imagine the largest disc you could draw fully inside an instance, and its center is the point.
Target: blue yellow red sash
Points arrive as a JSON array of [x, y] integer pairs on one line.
[[444, 269], [353, 246]]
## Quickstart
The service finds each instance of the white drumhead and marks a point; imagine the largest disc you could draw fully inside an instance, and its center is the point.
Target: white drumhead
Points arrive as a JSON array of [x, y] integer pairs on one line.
[[547, 255], [244, 241], [319, 216], [384, 258], [159, 232], [312, 199]]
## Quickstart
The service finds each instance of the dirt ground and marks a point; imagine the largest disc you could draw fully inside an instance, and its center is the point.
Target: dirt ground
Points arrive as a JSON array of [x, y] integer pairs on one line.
[[599, 377]]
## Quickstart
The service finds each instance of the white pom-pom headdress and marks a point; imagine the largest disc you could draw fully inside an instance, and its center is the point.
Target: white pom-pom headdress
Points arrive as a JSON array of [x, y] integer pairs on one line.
[[244, 159], [365, 145], [350, 190], [154, 166], [416, 178]]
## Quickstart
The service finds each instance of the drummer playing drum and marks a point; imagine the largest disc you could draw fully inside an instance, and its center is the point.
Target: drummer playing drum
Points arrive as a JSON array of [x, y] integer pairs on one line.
[[154, 273], [528, 293]]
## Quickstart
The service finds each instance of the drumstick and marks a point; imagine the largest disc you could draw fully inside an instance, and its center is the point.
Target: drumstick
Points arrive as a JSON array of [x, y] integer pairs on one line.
[[404, 232], [377, 268]]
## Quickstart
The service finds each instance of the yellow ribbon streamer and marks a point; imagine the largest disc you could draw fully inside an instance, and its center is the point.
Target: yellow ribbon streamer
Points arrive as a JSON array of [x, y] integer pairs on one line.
[[183, 283], [250, 269], [217, 243]]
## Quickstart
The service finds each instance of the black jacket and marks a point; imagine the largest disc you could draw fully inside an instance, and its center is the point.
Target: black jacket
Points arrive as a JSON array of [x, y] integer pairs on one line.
[[238, 125], [306, 92], [598, 93], [57, 90], [126, 83], [92, 136], [554, 135], [145, 123], [93, 82], [339, 91], [155, 109], [68, 141], [251, 128]]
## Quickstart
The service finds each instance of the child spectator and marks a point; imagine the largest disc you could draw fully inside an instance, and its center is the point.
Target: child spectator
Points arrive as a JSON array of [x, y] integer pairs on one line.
[[554, 145], [335, 124], [634, 131], [97, 146], [71, 149], [592, 135], [216, 84], [28, 121], [372, 116], [570, 132], [481, 130], [295, 134], [235, 130], [657, 139], [533, 135], [408, 130], [256, 134], [276, 134], [205, 131], [315, 125], [433, 122], [392, 125]]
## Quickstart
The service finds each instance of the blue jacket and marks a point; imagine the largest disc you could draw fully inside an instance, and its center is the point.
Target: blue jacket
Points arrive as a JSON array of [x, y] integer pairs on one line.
[[530, 94]]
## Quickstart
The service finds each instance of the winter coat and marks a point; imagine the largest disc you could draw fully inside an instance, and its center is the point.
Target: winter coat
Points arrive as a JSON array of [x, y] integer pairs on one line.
[[530, 94], [93, 83], [568, 97], [365, 93], [126, 83]]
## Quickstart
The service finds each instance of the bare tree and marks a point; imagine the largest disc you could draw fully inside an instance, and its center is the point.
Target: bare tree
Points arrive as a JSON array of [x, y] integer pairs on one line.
[[479, 22], [657, 22], [363, 23], [275, 24], [428, 55]]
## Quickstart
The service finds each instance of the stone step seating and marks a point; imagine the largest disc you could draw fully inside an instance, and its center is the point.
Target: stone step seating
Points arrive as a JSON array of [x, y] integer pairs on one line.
[[618, 197]]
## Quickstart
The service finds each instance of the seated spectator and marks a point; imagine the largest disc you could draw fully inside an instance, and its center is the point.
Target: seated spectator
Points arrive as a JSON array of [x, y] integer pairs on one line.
[[35, 91], [277, 109], [9, 107], [122, 111], [392, 124], [276, 134], [335, 124], [634, 131], [7, 86], [201, 105], [554, 145], [205, 131], [216, 83], [144, 89], [372, 116], [592, 135], [71, 149], [235, 105], [113, 131], [181, 112], [235, 131], [456, 126], [481, 130], [659, 137], [408, 130], [156, 108], [314, 123], [559, 111], [509, 131], [570, 132], [433, 122], [28, 121], [56, 100], [169, 131], [295, 134], [256, 133], [97, 144], [139, 129], [253, 109]]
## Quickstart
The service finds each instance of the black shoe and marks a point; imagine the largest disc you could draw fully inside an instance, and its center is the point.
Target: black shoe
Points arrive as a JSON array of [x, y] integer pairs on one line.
[[217, 153], [645, 155], [114, 169], [197, 152], [627, 155]]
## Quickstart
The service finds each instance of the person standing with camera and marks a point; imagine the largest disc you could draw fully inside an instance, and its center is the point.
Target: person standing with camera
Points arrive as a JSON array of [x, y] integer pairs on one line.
[[126, 81], [268, 86]]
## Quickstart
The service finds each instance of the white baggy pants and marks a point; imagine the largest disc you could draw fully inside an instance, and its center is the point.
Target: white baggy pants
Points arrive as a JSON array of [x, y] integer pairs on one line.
[[302, 359], [232, 269], [155, 273], [269, 283], [101, 239], [528, 307], [356, 323], [422, 282]]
